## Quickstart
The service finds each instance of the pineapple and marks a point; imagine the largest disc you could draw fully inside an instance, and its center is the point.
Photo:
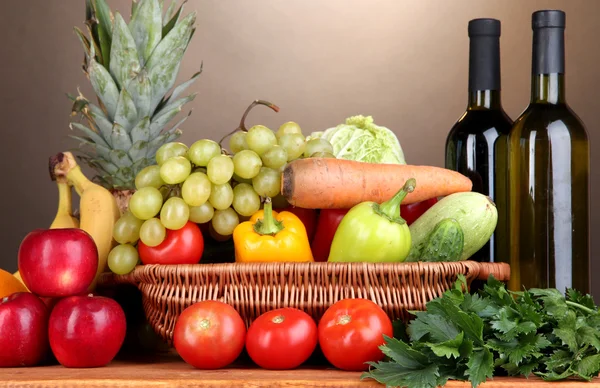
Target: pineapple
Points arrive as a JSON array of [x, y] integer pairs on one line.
[[131, 68]]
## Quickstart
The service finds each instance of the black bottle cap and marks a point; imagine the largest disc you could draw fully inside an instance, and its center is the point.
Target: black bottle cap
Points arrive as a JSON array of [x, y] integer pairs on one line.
[[548, 41], [484, 27], [484, 54], [548, 19]]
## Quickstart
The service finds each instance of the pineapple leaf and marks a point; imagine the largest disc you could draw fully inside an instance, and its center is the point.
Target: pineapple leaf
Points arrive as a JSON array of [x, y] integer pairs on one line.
[[141, 164], [104, 165], [104, 126], [126, 115], [163, 64], [103, 15], [141, 93], [105, 28], [100, 150], [103, 181], [170, 23], [138, 150], [105, 87], [166, 114], [94, 136], [141, 131], [134, 7], [181, 88], [120, 158], [88, 10], [124, 64], [169, 12], [120, 138], [84, 41], [146, 28], [166, 137], [95, 51], [123, 177], [176, 126]]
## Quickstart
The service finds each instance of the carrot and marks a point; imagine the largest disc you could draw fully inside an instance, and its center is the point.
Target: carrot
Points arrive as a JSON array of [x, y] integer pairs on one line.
[[327, 183]]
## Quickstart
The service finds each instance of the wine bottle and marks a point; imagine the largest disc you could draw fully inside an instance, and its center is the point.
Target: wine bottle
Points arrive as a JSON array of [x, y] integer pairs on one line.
[[549, 174], [471, 143]]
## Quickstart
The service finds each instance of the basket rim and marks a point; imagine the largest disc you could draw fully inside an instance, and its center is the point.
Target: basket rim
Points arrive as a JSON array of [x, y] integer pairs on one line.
[[479, 270]]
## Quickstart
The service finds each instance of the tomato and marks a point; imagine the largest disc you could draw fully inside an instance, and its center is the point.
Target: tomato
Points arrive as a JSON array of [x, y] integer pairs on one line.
[[182, 246], [209, 335], [281, 339], [413, 211], [351, 331]]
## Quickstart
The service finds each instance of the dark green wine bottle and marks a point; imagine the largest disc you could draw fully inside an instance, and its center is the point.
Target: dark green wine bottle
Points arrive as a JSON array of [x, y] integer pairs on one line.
[[549, 166], [471, 143]]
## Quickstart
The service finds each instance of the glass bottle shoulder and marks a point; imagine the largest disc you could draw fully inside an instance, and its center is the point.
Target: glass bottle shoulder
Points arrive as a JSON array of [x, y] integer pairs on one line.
[[541, 121]]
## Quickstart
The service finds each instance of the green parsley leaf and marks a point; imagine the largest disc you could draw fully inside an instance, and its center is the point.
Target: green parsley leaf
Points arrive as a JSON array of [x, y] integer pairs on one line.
[[587, 335], [394, 375], [481, 366], [528, 345], [432, 328], [402, 353], [584, 300], [588, 367], [450, 348]]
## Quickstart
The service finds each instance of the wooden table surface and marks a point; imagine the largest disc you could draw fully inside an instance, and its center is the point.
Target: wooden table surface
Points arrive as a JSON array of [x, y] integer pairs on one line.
[[172, 372]]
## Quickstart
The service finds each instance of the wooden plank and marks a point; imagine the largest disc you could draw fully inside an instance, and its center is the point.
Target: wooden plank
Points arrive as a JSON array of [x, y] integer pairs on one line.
[[172, 373]]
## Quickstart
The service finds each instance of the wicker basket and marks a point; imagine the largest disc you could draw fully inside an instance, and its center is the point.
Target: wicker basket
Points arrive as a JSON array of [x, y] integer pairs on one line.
[[312, 287]]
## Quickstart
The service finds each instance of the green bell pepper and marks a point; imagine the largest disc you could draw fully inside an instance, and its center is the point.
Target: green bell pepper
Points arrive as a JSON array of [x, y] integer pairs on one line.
[[373, 232]]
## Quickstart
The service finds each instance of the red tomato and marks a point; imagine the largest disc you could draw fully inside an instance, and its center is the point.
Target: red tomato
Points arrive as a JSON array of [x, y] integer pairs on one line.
[[351, 331], [182, 246], [209, 335], [281, 339]]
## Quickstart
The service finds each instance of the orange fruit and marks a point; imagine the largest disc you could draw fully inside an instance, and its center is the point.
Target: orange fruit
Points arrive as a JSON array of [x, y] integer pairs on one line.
[[9, 284]]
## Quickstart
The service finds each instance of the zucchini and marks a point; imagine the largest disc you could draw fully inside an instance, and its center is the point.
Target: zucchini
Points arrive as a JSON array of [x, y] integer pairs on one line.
[[445, 243], [476, 214]]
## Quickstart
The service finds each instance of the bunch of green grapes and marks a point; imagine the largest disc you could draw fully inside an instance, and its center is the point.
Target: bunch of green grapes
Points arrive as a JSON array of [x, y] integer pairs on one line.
[[203, 184]]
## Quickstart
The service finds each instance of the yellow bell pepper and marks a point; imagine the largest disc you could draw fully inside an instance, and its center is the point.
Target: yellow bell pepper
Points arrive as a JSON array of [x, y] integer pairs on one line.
[[271, 237]]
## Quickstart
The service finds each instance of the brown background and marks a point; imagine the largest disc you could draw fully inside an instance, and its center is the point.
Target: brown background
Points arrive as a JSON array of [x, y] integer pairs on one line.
[[403, 62]]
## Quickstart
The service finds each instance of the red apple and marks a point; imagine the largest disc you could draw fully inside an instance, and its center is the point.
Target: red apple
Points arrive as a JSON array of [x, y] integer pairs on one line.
[[58, 262], [23, 330], [86, 331]]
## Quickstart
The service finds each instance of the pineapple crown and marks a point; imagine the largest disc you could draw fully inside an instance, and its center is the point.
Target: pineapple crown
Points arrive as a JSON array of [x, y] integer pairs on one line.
[[131, 68]]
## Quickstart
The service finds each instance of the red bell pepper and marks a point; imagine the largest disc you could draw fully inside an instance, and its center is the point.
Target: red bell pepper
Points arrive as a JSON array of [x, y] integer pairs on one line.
[[414, 210], [329, 220], [308, 218]]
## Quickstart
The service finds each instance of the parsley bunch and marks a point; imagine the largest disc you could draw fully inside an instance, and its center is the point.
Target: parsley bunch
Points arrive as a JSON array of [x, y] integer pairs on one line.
[[472, 337]]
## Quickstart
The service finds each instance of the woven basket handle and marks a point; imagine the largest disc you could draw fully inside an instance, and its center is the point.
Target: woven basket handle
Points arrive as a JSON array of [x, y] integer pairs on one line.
[[501, 271]]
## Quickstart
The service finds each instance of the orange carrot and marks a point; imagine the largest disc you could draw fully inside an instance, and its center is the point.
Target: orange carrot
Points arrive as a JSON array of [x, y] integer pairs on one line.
[[327, 183]]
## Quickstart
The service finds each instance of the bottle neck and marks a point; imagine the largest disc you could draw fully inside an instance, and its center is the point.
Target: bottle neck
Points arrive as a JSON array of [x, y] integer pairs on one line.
[[484, 100], [548, 89], [548, 66], [484, 72]]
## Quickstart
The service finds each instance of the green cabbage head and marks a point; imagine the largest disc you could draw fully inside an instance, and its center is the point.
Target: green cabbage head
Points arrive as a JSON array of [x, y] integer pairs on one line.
[[360, 139]]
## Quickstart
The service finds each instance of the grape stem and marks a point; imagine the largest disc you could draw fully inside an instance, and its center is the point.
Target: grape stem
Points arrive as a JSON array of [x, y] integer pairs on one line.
[[268, 225], [242, 126]]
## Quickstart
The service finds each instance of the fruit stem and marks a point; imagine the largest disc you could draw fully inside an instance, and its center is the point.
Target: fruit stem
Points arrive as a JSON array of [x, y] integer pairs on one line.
[[64, 166], [268, 225], [242, 126], [391, 209]]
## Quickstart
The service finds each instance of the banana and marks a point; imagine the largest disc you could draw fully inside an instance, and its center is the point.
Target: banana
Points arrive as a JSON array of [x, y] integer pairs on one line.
[[64, 216], [97, 206]]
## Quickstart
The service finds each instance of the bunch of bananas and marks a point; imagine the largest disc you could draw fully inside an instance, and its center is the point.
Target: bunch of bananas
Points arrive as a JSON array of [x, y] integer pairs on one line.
[[98, 210]]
